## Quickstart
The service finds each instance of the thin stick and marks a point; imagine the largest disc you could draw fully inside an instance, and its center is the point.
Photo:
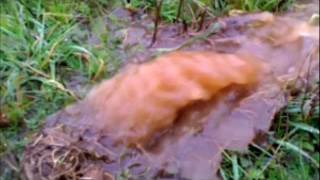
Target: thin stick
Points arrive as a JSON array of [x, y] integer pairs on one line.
[[184, 26], [214, 28], [156, 22], [202, 17], [179, 10]]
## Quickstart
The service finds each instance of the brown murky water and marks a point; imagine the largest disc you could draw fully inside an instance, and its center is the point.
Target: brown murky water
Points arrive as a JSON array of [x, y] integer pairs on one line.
[[181, 134]]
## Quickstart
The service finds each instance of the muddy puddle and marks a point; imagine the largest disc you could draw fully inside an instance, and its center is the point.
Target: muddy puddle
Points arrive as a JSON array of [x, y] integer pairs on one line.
[[172, 119]]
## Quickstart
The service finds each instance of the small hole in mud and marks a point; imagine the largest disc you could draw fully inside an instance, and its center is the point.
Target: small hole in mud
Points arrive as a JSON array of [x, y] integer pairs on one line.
[[49, 148]]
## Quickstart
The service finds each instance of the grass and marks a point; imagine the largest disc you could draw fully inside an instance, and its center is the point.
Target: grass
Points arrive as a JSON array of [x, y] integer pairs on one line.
[[44, 43], [292, 151], [191, 9]]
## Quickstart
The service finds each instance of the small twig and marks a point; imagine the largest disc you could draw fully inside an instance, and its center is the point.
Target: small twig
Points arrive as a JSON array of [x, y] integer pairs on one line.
[[156, 21], [214, 28], [37, 140], [74, 164], [11, 164]]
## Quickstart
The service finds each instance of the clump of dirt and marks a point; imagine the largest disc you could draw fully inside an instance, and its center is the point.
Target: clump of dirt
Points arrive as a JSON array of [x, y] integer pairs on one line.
[[69, 148], [4, 122]]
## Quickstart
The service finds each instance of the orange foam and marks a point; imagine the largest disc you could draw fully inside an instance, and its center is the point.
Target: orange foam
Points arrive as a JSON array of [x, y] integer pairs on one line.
[[141, 100]]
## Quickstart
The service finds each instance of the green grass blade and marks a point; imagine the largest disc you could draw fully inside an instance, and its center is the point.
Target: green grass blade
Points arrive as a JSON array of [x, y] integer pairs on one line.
[[296, 149], [305, 127], [235, 167]]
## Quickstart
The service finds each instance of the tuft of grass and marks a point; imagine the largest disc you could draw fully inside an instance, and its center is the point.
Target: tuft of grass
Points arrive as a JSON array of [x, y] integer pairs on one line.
[[44, 45], [292, 150], [261, 5]]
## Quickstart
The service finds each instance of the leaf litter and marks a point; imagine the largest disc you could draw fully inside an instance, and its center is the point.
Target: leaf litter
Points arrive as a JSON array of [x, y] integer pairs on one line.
[[74, 142]]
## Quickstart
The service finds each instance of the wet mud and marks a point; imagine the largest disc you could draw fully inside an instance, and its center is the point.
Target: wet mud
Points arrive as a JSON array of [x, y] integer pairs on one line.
[[127, 128]]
